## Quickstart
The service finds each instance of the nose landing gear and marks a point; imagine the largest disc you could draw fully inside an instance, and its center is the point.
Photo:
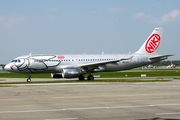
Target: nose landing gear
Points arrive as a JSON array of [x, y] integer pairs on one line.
[[29, 78]]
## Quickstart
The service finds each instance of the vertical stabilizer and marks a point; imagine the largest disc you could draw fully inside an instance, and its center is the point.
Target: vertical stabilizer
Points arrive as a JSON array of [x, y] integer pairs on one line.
[[152, 43]]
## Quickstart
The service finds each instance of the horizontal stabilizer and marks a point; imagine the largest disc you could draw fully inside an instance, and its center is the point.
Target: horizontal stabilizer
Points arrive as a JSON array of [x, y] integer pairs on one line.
[[160, 57]]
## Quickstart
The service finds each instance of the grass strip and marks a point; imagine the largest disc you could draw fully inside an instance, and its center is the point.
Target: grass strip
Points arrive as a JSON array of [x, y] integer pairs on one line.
[[132, 73]]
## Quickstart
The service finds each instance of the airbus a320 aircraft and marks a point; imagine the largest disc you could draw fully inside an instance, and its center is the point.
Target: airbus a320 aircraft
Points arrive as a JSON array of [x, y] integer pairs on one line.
[[75, 66]]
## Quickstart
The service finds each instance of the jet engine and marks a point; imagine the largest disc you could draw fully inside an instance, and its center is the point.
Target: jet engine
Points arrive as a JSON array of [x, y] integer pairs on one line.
[[56, 75], [71, 72]]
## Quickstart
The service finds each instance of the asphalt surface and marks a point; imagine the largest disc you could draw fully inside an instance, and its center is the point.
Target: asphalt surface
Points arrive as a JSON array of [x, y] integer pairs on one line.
[[91, 101], [2, 80]]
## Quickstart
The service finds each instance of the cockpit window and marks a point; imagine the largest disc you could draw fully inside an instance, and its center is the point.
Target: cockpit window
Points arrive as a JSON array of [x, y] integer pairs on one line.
[[16, 61]]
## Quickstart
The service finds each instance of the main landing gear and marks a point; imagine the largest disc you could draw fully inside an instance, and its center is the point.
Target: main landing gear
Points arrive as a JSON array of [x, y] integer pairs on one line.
[[90, 77], [29, 78]]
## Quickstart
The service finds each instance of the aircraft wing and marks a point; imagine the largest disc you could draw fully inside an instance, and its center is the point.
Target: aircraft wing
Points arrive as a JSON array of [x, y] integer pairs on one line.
[[160, 57], [101, 62]]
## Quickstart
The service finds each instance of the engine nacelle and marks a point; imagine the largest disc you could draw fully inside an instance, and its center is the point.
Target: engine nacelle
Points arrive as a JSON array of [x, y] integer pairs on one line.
[[71, 72], [56, 75]]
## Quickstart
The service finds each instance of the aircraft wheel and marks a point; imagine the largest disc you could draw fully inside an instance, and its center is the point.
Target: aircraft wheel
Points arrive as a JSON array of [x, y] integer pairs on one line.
[[28, 80], [90, 77], [81, 77]]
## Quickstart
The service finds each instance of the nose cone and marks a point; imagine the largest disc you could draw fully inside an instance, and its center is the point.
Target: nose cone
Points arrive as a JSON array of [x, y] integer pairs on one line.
[[8, 67]]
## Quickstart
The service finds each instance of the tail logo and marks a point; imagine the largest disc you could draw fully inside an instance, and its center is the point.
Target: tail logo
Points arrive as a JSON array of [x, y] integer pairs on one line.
[[152, 43]]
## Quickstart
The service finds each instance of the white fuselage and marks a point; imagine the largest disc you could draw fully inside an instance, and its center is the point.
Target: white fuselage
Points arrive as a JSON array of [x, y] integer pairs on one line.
[[55, 64]]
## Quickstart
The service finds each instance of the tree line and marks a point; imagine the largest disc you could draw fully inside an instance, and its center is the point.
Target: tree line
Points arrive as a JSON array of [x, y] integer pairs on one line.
[[167, 62]]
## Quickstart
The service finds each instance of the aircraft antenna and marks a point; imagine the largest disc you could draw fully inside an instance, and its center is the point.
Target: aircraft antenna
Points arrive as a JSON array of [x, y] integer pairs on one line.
[[29, 55]]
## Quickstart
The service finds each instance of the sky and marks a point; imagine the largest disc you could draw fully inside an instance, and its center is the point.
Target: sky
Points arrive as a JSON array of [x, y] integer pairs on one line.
[[86, 26]]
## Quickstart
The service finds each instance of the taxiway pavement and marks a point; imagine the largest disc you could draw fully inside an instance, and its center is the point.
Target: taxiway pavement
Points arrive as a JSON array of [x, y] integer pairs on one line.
[[91, 101], [2, 80]]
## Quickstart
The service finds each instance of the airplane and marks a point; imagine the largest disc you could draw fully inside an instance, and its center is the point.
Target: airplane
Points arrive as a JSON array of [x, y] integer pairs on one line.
[[77, 65]]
